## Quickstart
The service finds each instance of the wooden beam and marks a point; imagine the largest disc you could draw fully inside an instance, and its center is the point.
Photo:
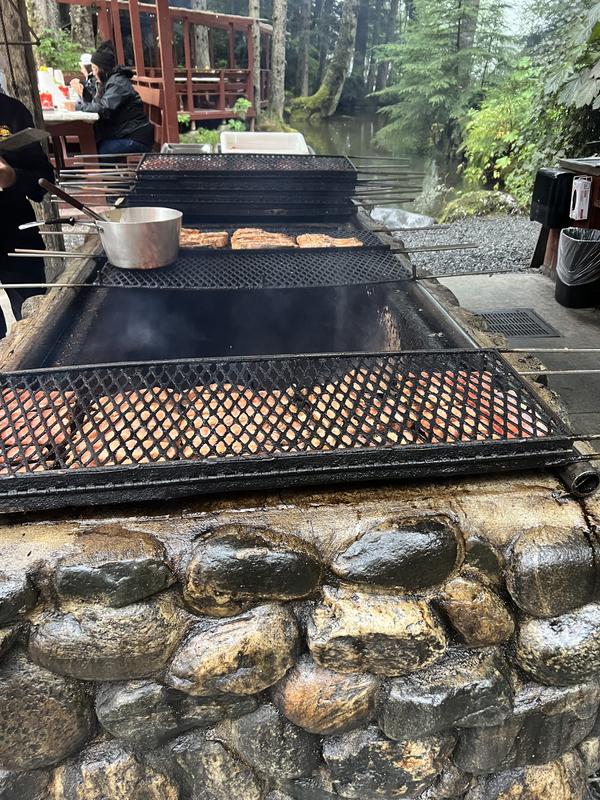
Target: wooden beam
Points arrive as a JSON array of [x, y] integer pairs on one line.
[[137, 38], [251, 89], [165, 37], [188, 64], [231, 36], [117, 34], [104, 21]]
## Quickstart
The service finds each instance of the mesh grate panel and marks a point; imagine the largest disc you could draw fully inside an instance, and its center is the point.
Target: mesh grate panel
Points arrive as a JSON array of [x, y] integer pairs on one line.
[[518, 322], [255, 163], [103, 417], [263, 269]]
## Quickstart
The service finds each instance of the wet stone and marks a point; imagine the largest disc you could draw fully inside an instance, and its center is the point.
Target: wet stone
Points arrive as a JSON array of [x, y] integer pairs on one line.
[[484, 557], [24, 785], [114, 566], [401, 554], [99, 643], [209, 771], [43, 717], [241, 655], [559, 780], [546, 723], [8, 637], [239, 567], [108, 770], [562, 650], [17, 597], [144, 713], [357, 632], [275, 747], [323, 701], [463, 689], [450, 785], [552, 571], [476, 612], [364, 763], [589, 752]]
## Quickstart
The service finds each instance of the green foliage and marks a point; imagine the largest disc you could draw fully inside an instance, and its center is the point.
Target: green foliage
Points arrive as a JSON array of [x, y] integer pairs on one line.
[[201, 136], [446, 55], [58, 51], [478, 203], [183, 118], [241, 107]]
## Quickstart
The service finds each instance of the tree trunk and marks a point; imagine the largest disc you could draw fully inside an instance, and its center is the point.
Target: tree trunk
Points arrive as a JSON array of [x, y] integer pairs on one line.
[[325, 100], [383, 69], [43, 14], [201, 38], [82, 28], [254, 12], [362, 39], [466, 39], [324, 31], [278, 48], [303, 48], [375, 40]]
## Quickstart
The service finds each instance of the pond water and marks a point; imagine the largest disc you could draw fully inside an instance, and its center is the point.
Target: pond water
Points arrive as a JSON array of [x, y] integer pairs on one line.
[[353, 136]]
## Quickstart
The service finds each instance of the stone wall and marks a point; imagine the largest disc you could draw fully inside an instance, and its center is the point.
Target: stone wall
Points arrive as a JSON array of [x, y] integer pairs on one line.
[[434, 642]]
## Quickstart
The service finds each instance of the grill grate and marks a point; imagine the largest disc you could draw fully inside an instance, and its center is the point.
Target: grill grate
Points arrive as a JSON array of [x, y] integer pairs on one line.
[[88, 432], [518, 322], [263, 269], [338, 231], [236, 164]]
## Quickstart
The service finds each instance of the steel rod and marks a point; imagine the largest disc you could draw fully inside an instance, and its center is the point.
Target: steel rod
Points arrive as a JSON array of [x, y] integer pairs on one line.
[[560, 372], [408, 230], [549, 350]]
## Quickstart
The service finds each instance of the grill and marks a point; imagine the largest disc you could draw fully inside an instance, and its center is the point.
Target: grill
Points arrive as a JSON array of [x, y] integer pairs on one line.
[[87, 434], [338, 231], [236, 165], [263, 269]]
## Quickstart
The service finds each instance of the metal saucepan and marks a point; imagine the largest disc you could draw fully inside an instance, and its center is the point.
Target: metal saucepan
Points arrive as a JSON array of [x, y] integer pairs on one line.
[[141, 238]]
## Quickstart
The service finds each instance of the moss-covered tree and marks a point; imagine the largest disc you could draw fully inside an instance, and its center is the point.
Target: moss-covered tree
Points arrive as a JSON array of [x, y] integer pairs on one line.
[[325, 100]]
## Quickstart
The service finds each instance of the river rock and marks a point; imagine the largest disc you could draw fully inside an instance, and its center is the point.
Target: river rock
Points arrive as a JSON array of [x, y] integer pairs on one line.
[[109, 771], [364, 763], [546, 722], [17, 597], [552, 571], [462, 689], [480, 554], [402, 554], [275, 747], [476, 612], [144, 713], [353, 631], [24, 785], [450, 785], [589, 752], [8, 637], [209, 771], [99, 643], [323, 701], [114, 566], [43, 717], [240, 566], [559, 780], [561, 650], [241, 655]]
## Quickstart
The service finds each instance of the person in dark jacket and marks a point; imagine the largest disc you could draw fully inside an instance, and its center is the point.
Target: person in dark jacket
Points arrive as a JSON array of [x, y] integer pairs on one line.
[[123, 126], [19, 175]]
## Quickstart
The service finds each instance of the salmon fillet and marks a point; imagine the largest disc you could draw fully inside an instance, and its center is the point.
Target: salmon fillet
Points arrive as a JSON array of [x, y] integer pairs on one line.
[[323, 240], [259, 239], [32, 426], [215, 240]]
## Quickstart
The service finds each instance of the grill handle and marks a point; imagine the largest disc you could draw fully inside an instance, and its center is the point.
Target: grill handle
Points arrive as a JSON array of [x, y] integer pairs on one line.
[[72, 201], [581, 478]]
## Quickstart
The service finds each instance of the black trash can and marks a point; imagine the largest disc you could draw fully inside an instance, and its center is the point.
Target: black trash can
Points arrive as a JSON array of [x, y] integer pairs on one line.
[[578, 268]]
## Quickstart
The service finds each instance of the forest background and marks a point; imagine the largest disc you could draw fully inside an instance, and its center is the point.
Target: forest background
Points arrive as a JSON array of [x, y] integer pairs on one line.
[[490, 89]]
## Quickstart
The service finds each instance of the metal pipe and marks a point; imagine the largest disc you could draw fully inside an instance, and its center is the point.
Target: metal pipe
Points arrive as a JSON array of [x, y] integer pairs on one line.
[[549, 350], [560, 372], [581, 478]]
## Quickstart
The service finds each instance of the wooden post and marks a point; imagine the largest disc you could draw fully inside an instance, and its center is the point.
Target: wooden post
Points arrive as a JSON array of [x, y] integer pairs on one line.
[[188, 65], [222, 104], [165, 36], [136, 35], [231, 32], [250, 79], [104, 21], [117, 35]]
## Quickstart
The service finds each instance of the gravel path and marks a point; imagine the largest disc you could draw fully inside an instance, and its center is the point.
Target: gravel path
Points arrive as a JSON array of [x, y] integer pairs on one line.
[[505, 243]]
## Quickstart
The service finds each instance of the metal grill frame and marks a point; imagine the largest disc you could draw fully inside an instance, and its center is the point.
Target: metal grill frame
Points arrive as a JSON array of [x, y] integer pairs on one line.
[[242, 164], [57, 488], [280, 268], [497, 323]]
